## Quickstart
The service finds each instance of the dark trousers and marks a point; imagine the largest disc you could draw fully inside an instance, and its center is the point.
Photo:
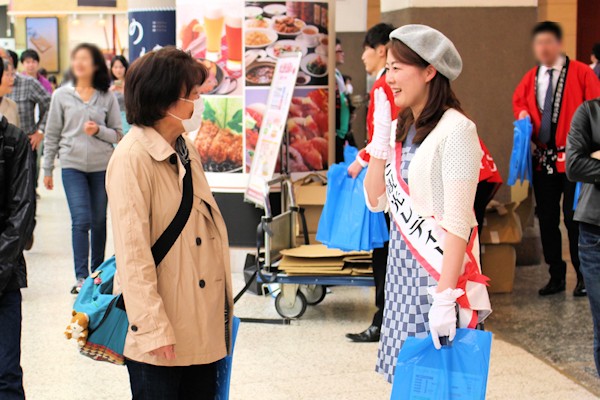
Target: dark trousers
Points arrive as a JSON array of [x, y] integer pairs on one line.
[[340, 144], [87, 200], [549, 189], [589, 253], [11, 374], [152, 382], [380, 259]]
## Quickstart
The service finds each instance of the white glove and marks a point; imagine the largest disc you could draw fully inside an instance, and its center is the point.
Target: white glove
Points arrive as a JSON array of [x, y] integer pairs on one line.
[[442, 314], [382, 126]]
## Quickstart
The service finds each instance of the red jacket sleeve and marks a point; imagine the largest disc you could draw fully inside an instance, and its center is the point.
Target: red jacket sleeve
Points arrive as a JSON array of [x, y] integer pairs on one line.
[[520, 96]]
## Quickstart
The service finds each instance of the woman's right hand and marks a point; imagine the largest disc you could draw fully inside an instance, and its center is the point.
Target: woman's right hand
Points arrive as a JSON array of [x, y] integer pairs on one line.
[[49, 182], [166, 352], [382, 125]]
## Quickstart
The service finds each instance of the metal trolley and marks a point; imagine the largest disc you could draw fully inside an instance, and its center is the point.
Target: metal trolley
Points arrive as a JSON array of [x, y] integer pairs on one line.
[[277, 233]]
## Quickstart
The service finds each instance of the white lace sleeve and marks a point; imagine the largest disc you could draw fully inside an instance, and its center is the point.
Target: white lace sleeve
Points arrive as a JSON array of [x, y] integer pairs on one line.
[[381, 202], [461, 161]]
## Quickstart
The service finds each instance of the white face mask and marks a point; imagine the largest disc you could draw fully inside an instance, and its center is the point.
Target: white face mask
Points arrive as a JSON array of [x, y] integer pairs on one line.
[[349, 88], [194, 122]]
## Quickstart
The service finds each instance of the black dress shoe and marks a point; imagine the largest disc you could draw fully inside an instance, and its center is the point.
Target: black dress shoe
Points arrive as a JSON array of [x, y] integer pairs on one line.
[[552, 287], [580, 290], [372, 334]]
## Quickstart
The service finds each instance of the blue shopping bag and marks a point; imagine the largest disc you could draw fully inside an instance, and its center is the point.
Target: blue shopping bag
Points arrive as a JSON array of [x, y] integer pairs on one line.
[[346, 223], [456, 372], [520, 167], [224, 367]]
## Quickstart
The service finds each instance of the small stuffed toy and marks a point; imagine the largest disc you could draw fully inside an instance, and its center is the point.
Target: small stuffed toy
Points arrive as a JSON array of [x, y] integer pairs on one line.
[[78, 328]]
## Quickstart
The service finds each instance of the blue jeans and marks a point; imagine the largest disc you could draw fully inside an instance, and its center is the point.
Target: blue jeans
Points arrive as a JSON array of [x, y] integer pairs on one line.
[[152, 382], [11, 374], [589, 254], [87, 200]]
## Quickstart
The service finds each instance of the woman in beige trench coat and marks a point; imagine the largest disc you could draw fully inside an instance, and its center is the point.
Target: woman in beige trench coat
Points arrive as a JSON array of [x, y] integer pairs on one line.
[[179, 312]]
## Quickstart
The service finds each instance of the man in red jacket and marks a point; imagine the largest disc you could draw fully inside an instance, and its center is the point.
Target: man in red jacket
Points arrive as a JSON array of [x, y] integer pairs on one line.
[[374, 58], [549, 94]]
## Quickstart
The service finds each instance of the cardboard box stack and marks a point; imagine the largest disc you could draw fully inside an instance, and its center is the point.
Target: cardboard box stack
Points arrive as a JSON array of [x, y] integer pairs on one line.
[[310, 192], [501, 231], [319, 260]]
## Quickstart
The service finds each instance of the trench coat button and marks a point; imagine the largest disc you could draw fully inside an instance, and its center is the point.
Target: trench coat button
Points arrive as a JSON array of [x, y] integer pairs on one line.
[[134, 328], [202, 283], [198, 241], [173, 159]]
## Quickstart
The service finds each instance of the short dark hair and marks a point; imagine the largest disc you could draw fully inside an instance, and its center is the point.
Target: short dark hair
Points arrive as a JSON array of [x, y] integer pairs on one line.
[[14, 58], [43, 72], [29, 53], [156, 81], [338, 41], [596, 51], [548, 27], [101, 79], [122, 60], [378, 35], [52, 79]]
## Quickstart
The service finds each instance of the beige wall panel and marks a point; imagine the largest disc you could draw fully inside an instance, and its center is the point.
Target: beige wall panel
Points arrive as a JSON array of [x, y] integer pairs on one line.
[[495, 59]]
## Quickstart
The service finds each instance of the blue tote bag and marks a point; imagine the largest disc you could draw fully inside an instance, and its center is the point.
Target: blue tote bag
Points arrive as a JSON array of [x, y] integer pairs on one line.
[[456, 372], [225, 365]]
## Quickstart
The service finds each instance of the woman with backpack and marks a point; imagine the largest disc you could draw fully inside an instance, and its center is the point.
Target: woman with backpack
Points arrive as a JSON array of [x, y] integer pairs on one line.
[[83, 124], [180, 310]]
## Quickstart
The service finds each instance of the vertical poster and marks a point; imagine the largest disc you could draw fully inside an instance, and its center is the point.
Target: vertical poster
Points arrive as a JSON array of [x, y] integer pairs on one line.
[[42, 35], [272, 29], [212, 33], [150, 30], [274, 123]]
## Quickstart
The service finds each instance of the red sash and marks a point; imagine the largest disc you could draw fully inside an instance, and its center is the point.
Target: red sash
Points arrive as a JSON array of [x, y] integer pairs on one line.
[[424, 237]]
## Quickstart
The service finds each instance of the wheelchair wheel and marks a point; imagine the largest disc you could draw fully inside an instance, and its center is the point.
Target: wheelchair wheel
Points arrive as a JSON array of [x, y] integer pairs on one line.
[[291, 311], [314, 293]]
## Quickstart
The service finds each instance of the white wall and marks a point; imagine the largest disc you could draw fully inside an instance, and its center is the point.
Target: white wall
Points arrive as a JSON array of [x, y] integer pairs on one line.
[[391, 5], [351, 15], [89, 30]]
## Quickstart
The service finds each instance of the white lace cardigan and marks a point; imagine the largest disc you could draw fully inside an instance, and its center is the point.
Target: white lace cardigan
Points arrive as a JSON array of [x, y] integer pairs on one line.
[[444, 173]]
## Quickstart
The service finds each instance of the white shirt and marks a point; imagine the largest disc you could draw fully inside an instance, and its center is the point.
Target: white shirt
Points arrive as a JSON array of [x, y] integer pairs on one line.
[[542, 81], [380, 73]]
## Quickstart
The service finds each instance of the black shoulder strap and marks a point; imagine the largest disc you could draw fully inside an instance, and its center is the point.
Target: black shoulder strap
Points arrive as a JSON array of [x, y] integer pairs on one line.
[[170, 235]]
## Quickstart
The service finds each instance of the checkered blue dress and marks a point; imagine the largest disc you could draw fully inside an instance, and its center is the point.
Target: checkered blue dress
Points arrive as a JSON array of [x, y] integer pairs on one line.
[[406, 300]]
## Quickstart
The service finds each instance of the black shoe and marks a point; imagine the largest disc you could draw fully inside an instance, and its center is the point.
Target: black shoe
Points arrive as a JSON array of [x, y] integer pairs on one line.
[[580, 290], [372, 334], [552, 287]]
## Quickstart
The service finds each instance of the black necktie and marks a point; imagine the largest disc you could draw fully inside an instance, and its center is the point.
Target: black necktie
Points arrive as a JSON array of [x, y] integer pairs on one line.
[[546, 125]]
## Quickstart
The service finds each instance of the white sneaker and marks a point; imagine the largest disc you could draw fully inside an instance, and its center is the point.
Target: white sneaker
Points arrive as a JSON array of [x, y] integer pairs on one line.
[[77, 287]]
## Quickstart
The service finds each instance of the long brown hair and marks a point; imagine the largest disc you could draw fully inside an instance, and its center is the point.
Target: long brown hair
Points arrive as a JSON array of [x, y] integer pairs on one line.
[[440, 98]]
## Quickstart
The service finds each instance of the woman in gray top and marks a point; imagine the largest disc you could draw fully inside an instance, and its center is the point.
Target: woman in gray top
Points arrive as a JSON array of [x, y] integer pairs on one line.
[[83, 125]]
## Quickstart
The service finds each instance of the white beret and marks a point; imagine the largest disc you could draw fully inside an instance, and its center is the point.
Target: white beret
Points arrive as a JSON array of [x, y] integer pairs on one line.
[[433, 47]]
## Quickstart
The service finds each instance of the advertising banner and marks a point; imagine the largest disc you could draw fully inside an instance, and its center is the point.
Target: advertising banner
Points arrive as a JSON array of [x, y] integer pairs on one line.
[[240, 43], [150, 30], [42, 35], [273, 126]]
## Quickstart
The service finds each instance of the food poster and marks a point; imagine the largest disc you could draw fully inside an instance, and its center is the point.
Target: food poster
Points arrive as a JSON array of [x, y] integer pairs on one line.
[[220, 139], [275, 28], [307, 126], [212, 32], [273, 126]]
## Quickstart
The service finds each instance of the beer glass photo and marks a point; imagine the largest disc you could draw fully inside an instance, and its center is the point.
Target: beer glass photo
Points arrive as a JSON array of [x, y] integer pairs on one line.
[[233, 35], [213, 28]]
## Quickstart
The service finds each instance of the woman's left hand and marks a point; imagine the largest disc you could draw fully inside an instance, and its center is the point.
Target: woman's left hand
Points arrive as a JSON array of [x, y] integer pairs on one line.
[[91, 128], [442, 314]]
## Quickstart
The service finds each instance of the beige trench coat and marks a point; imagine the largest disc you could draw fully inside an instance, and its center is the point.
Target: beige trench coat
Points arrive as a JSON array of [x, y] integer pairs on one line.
[[183, 301]]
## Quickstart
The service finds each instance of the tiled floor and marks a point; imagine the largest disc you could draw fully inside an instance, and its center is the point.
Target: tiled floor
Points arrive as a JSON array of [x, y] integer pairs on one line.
[[308, 360]]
